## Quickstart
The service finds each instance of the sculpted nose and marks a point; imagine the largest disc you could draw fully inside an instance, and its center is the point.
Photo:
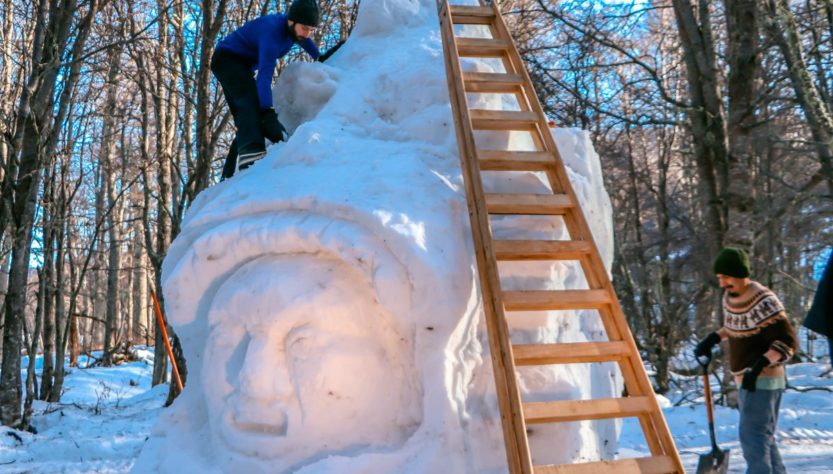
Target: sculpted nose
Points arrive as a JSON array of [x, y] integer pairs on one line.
[[264, 374]]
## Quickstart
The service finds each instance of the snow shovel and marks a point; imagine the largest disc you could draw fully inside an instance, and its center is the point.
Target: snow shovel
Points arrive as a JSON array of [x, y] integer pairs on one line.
[[717, 461]]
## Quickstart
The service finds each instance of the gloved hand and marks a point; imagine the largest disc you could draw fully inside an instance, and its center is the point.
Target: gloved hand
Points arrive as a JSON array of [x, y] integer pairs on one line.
[[330, 52], [704, 347], [271, 127], [750, 376]]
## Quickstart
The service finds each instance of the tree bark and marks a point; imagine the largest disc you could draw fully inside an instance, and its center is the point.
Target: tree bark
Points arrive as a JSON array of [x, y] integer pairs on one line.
[[140, 286], [782, 28], [46, 277], [164, 152], [31, 378], [108, 147], [742, 30], [708, 134]]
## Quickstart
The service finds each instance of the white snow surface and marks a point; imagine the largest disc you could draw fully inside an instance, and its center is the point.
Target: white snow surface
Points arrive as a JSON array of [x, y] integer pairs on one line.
[[326, 298], [106, 415]]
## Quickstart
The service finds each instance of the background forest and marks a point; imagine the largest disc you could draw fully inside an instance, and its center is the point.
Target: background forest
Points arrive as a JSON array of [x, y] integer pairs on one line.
[[712, 118]]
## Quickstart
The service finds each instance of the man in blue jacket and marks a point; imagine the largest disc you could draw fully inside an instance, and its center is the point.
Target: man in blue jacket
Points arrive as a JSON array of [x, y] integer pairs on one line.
[[257, 46]]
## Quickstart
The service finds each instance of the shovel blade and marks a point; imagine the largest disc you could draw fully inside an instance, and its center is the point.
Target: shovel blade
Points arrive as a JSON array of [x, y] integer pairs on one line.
[[715, 462]]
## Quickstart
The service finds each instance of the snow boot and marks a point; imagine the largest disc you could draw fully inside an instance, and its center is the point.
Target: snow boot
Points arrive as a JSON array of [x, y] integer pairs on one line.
[[246, 160]]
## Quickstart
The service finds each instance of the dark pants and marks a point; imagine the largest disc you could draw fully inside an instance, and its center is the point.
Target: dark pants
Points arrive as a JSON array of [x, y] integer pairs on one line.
[[758, 421], [238, 82]]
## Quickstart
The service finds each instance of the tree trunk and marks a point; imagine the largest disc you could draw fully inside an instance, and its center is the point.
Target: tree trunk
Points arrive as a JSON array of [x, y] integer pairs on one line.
[[140, 285], [45, 300], [781, 27], [108, 148], [707, 119], [99, 297], [742, 28], [708, 134], [164, 152], [31, 378], [6, 81], [24, 214]]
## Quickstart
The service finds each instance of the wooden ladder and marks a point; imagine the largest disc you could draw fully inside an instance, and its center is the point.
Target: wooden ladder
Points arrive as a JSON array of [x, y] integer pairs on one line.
[[515, 414]]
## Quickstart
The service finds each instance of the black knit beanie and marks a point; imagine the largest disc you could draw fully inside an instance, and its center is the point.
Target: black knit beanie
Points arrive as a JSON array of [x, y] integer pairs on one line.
[[732, 262], [304, 12]]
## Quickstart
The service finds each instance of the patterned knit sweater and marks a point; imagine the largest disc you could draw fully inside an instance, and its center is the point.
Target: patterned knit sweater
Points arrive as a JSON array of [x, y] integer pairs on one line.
[[756, 322]]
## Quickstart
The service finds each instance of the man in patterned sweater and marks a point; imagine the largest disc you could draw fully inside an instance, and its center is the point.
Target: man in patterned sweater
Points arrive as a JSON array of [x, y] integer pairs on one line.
[[761, 339]]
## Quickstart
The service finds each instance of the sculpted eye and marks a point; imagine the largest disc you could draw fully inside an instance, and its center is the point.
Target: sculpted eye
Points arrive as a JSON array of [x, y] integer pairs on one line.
[[301, 343], [298, 344]]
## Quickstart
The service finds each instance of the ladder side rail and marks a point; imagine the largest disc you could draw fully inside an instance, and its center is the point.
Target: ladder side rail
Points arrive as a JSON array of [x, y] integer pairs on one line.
[[514, 428]]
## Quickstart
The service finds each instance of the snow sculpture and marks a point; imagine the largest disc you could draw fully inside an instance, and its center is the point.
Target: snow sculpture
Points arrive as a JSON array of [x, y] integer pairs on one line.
[[326, 298], [315, 340]]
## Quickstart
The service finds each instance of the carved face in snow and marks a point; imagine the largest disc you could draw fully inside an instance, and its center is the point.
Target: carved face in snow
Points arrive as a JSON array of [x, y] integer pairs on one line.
[[298, 350]]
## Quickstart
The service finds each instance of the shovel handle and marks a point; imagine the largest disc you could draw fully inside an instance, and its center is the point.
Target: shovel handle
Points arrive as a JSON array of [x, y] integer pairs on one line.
[[709, 408], [708, 388], [704, 363]]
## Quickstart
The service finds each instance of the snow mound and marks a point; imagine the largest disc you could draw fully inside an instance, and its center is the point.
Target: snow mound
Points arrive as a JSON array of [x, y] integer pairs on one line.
[[326, 298]]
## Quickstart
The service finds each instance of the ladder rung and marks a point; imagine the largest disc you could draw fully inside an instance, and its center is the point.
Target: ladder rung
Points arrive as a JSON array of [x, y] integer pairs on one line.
[[470, 10], [492, 82], [575, 410], [471, 15], [647, 465], [471, 20], [481, 47], [569, 353], [502, 119], [541, 249], [552, 300], [533, 204], [495, 160]]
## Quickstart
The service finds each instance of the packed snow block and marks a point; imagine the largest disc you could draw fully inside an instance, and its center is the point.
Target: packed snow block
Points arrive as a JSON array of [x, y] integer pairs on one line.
[[326, 298]]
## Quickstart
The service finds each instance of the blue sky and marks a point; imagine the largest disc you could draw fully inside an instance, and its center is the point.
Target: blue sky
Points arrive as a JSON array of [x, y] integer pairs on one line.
[[820, 263]]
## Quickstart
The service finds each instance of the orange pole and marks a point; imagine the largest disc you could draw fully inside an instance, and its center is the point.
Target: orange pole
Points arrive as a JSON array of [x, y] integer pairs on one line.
[[161, 319]]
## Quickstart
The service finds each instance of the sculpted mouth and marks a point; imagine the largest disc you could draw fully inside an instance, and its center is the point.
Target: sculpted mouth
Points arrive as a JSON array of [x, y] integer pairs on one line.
[[260, 428], [275, 426]]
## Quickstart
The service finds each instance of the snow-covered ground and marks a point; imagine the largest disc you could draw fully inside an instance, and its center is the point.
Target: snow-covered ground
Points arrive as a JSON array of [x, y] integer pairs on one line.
[[99, 426], [805, 428], [106, 415]]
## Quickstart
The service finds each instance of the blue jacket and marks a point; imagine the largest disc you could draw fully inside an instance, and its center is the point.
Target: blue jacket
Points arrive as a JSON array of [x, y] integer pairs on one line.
[[820, 317], [262, 42]]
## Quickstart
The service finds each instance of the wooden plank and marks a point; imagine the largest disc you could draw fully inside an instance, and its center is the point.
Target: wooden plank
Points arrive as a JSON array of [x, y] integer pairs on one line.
[[541, 249], [472, 20], [553, 300], [518, 456], [496, 160], [646, 465], [502, 119], [481, 47], [577, 410], [569, 352], [470, 10], [471, 15], [531, 204], [492, 82]]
